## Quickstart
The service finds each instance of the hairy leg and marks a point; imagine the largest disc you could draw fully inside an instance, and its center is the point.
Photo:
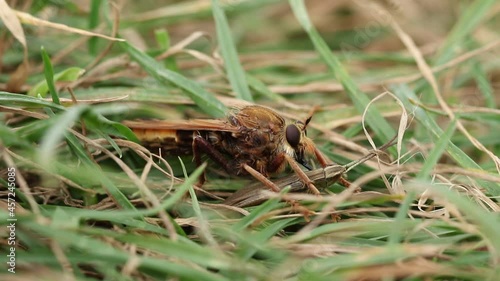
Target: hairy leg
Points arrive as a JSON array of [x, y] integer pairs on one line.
[[303, 177], [201, 145]]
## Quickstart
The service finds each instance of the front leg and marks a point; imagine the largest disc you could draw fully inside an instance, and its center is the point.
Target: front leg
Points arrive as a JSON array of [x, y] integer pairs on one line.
[[261, 178], [272, 186], [322, 159], [303, 177]]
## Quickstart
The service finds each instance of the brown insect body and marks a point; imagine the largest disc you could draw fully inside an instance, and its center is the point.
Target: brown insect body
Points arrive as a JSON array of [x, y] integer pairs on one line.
[[261, 141], [253, 135]]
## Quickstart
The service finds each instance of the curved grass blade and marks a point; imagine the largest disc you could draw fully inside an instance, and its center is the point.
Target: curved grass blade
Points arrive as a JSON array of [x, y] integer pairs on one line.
[[405, 94], [471, 17], [234, 70], [69, 74], [204, 99], [260, 211], [21, 100], [49, 76], [437, 151], [56, 133]]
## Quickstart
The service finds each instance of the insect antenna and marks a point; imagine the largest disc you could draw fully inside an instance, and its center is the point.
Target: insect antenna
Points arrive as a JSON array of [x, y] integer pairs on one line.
[[310, 114], [370, 155]]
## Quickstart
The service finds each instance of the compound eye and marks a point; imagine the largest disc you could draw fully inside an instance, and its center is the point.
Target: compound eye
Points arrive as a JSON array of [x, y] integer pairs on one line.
[[292, 135]]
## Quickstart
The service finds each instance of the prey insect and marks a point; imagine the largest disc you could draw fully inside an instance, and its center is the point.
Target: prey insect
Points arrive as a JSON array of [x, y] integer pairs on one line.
[[255, 194], [322, 177], [252, 140]]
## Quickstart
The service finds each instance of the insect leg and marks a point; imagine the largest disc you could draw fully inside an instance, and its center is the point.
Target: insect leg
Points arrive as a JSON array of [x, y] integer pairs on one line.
[[325, 161], [303, 177], [197, 158], [322, 159], [261, 178], [344, 182], [201, 145]]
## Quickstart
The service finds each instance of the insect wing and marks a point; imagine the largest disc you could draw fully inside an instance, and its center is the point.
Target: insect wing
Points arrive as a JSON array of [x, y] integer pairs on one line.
[[182, 125], [169, 134]]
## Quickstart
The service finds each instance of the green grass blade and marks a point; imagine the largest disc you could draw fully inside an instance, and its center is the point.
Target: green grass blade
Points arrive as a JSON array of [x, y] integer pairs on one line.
[[10, 138], [96, 118], [163, 40], [114, 191], [487, 223], [90, 248], [259, 86], [205, 100], [484, 85], [78, 150], [381, 127], [234, 70], [68, 75], [56, 133], [397, 231], [258, 212], [167, 204], [261, 238], [49, 76], [469, 20], [95, 6], [437, 151], [182, 250], [20, 100]]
